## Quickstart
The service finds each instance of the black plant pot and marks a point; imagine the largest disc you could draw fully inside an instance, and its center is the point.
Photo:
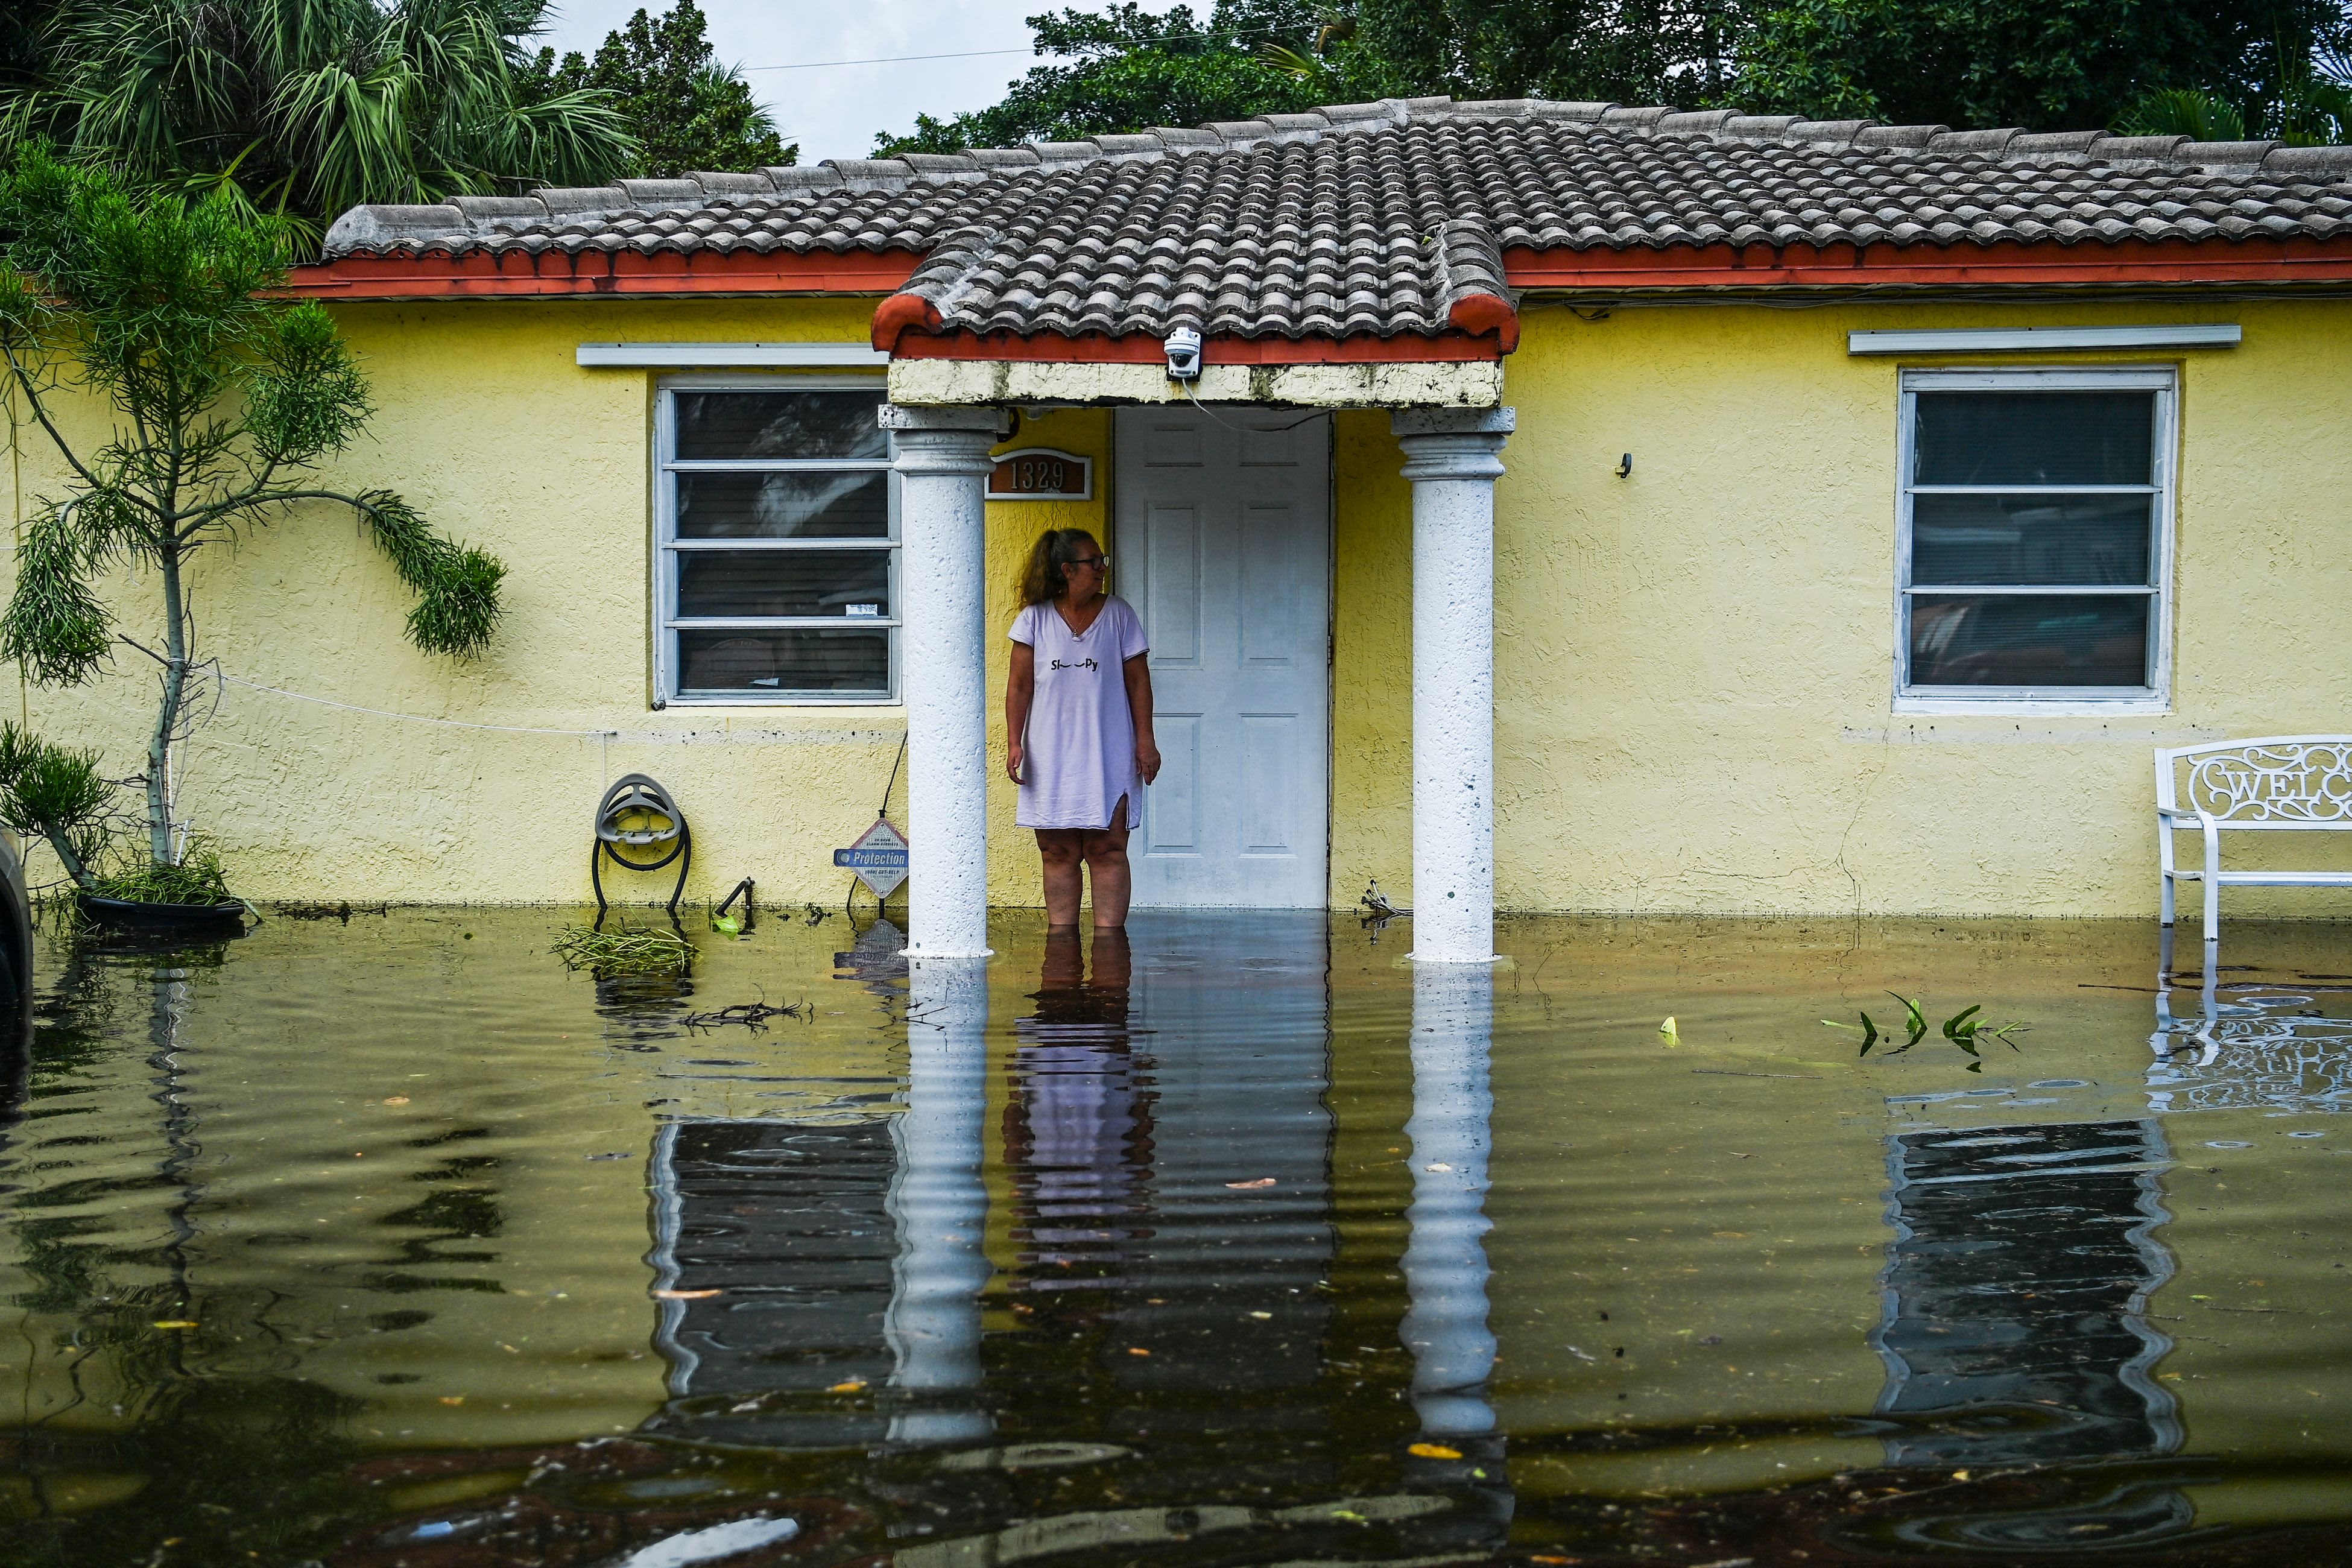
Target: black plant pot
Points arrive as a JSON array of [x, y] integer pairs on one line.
[[164, 920]]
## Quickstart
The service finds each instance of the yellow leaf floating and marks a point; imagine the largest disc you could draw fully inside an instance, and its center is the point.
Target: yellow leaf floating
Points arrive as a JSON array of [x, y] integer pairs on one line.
[[1667, 1032], [855, 1385], [1433, 1451], [175, 1323]]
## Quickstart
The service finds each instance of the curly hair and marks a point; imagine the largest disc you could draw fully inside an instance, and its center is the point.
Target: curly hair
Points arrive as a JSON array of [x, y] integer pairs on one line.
[[1044, 576]]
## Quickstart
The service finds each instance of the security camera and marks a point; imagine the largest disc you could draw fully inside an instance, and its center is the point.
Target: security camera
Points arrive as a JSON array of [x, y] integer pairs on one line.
[[1183, 347]]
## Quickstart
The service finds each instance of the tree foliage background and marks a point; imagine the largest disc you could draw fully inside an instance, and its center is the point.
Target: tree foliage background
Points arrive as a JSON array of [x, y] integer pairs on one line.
[[1130, 69], [2218, 68], [687, 110], [300, 109]]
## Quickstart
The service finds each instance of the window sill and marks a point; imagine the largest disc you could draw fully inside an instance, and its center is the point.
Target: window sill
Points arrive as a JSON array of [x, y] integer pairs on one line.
[[2035, 707], [777, 704]]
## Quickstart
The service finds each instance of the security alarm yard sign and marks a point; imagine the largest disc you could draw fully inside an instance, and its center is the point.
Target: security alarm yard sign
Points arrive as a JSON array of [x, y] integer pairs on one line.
[[878, 858]]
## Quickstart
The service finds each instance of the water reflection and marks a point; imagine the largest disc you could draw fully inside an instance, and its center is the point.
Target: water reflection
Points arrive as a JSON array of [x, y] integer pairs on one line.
[[941, 1208], [1077, 1123], [1449, 1139], [1183, 1251], [2246, 1042], [2015, 1330], [1168, 1145]]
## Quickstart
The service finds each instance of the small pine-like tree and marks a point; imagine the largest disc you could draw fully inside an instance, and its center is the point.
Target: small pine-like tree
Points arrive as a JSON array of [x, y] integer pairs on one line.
[[226, 398], [687, 110]]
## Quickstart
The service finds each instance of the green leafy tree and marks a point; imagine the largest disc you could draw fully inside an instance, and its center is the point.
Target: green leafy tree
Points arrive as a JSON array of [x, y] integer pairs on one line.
[[305, 108], [2295, 87], [225, 398], [1619, 51], [52, 793], [2042, 64], [1133, 69], [688, 111]]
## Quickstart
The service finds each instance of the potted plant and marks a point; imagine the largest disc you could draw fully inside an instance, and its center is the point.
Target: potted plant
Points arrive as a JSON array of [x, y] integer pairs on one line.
[[227, 397]]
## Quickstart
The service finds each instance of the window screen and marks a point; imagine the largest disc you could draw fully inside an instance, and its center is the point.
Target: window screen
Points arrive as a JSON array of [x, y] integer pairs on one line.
[[2034, 514], [778, 568]]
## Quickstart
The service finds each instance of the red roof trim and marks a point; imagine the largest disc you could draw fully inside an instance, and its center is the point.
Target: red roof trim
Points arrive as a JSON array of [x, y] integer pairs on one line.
[[551, 274], [1101, 348], [555, 274], [2008, 263]]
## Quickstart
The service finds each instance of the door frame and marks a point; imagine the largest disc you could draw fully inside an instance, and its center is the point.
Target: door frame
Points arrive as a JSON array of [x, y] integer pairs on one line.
[[1115, 491]]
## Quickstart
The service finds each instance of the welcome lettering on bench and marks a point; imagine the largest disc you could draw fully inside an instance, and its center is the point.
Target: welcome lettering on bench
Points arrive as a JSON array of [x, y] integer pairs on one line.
[[2276, 783]]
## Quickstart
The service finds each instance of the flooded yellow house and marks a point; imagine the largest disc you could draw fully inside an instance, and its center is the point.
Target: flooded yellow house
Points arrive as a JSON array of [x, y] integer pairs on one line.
[[1533, 506]]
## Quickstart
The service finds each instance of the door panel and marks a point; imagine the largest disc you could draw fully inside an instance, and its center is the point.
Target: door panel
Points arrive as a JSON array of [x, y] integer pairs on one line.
[[1171, 605], [1171, 816], [1224, 545]]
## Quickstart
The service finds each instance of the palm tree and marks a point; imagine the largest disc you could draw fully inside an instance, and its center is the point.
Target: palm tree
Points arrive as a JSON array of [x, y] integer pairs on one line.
[[304, 108]]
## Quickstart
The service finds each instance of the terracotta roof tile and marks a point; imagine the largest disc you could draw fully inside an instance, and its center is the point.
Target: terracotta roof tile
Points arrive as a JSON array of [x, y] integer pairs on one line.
[[1391, 217]]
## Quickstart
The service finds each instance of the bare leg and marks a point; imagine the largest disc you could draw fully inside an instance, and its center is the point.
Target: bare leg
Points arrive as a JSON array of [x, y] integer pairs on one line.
[[1105, 858], [1060, 847]]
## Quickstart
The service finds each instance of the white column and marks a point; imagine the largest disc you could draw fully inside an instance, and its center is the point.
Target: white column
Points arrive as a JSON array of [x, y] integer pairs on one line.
[[1446, 1265], [942, 463], [940, 1206], [1452, 456]]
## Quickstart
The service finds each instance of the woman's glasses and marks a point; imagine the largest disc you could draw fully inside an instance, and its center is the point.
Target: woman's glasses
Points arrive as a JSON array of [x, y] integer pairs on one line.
[[1097, 562]]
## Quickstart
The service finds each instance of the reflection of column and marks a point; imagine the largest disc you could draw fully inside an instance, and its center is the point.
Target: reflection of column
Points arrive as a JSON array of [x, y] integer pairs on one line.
[[1445, 1258], [939, 1204], [1453, 456], [942, 461]]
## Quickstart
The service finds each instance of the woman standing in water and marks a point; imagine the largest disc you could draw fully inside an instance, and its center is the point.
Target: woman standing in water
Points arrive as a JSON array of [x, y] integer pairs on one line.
[[1077, 718]]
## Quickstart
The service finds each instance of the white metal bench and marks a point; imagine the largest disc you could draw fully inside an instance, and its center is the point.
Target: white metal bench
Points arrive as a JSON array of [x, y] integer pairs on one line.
[[2277, 783]]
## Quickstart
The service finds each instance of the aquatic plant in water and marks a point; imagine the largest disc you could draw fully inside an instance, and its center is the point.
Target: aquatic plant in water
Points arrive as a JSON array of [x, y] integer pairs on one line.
[[1963, 1028], [607, 953]]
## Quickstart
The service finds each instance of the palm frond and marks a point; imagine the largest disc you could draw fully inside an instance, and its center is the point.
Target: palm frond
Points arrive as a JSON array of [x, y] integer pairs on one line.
[[2185, 111]]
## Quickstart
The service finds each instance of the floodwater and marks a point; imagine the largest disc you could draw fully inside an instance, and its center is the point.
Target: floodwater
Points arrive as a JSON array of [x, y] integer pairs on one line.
[[390, 1242]]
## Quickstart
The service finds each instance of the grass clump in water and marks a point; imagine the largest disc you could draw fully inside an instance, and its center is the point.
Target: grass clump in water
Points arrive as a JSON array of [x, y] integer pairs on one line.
[[198, 878], [607, 953]]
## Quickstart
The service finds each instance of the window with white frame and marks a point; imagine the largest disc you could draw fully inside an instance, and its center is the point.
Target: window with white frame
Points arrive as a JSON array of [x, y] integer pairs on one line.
[[2034, 539], [776, 559]]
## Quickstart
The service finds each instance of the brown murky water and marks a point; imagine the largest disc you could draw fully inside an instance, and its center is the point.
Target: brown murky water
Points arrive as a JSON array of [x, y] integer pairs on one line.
[[1248, 1243]]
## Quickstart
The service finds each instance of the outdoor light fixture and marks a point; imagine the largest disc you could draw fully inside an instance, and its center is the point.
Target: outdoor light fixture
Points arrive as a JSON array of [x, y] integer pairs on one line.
[[1184, 346], [1624, 464]]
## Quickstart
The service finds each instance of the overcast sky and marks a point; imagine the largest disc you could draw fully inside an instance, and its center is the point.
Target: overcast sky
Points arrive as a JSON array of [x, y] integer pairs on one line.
[[833, 111]]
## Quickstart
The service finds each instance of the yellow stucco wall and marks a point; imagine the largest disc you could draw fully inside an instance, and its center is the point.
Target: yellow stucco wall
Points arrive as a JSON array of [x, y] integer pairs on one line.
[[1693, 664], [487, 422]]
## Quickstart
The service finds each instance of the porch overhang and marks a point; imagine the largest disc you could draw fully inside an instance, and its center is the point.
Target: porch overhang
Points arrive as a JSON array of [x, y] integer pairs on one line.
[[1390, 384]]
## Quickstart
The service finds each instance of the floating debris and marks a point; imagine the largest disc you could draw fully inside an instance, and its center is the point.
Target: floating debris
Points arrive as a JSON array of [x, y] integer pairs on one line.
[[1375, 905], [343, 910], [750, 1014]]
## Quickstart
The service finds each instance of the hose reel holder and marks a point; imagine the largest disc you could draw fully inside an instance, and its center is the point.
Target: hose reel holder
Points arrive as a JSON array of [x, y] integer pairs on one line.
[[637, 815]]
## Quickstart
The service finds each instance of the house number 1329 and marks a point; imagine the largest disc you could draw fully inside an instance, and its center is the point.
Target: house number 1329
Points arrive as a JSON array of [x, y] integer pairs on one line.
[[1039, 474]]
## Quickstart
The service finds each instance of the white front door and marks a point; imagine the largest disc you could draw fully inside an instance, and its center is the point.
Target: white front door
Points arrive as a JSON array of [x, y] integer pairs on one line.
[[1223, 545]]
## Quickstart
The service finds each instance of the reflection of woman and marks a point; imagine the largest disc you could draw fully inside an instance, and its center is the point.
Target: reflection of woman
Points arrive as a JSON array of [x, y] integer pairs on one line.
[[1078, 718], [1077, 1127]]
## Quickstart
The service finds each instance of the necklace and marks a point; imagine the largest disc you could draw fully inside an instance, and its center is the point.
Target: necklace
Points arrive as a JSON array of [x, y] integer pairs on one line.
[[1076, 630]]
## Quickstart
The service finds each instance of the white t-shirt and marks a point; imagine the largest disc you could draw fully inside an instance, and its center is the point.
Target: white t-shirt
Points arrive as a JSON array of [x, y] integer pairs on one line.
[[1081, 739]]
